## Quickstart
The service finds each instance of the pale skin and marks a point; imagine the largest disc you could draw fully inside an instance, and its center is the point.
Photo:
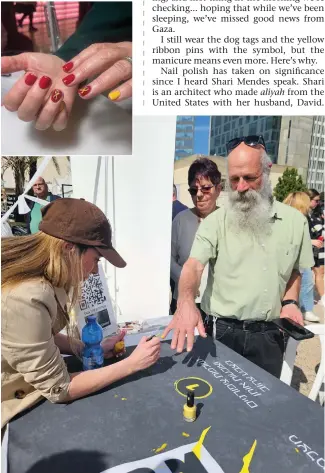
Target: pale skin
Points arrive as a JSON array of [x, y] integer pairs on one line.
[[40, 188], [204, 202], [34, 103], [245, 172], [144, 356]]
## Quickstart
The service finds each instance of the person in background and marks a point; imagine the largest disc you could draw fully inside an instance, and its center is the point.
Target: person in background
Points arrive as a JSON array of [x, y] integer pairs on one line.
[[34, 217], [177, 205], [316, 228], [27, 9], [301, 202], [177, 208], [204, 187], [41, 277], [255, 247]]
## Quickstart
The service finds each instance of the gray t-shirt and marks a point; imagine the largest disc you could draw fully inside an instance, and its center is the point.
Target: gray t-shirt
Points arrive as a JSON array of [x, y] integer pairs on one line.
[[184, 228]]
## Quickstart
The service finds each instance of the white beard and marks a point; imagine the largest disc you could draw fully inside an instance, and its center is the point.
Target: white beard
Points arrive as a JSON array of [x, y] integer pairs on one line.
[[249, 212]]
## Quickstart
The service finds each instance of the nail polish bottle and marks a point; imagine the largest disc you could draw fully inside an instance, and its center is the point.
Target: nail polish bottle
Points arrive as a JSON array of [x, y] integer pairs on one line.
[[189, 410]]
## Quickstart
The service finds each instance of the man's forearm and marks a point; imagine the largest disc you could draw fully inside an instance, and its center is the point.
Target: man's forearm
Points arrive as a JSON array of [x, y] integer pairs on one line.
[[189, 282], [293, 287]]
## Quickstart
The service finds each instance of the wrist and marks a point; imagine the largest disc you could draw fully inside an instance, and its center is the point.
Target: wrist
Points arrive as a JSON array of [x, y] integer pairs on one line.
[[289, 301], [130, 365]]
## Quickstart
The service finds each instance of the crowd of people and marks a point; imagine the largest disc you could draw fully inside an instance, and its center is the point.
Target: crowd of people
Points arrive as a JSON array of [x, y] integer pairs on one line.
[[235, 269], [238, 267]]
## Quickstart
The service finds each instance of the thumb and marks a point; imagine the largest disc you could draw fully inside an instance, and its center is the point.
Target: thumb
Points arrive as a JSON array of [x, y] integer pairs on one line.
[[143, 341], [201, 329], [14, 63]]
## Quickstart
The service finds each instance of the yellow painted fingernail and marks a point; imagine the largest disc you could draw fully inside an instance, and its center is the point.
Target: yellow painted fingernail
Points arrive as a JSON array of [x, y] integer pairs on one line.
[[114, 94]]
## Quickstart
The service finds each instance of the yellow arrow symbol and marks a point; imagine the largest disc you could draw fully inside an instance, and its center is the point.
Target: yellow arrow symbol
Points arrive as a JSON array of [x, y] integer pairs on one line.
[[191, 387]]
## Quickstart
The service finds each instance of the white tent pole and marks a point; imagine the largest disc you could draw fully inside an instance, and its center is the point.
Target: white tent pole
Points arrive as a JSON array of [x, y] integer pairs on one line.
[[114, 237], [99, 162]]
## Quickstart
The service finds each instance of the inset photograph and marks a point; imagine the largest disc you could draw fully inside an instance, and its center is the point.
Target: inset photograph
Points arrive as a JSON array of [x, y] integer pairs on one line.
[[66, 78]]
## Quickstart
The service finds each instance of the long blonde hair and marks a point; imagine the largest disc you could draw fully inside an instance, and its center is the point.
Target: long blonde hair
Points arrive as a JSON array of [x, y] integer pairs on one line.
[[44, 256], [298, 200]]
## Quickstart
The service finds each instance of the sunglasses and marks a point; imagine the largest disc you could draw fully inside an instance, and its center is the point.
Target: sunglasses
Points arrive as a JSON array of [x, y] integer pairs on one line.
[[204, 189], [251, 140]]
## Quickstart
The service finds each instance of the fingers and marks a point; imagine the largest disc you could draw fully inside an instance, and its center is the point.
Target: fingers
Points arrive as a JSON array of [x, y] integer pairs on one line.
[[181, 341], [87, 53], [201, 329], [123, 92], [14, 63], [119, 72], [168, 329], [91, 66], [34, 99], [14, 98], [50, 110], [155, 341], [143, 341], [190, 340], [173, 345]]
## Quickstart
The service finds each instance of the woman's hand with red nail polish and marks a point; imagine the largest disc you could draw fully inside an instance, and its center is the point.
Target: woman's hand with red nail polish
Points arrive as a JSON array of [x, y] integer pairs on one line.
[[39, 94], [106, 62]]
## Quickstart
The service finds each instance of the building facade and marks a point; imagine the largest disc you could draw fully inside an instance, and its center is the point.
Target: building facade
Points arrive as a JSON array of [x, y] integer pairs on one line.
[[224, 129], [316, 176], [192, 136]]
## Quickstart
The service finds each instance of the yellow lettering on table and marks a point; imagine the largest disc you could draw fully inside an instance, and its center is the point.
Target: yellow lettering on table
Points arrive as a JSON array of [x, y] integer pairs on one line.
[[191, 387], [198, 447], [248, 458]]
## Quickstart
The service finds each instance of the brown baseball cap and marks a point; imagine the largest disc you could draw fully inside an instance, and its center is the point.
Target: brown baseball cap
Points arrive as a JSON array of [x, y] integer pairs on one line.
[[79, 221]]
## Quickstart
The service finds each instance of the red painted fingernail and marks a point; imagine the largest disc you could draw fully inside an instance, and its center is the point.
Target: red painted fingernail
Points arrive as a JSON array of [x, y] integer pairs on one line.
[[68, 66], [68, 79], [45, 82], [84, 90], [56, 95], [30, 79]]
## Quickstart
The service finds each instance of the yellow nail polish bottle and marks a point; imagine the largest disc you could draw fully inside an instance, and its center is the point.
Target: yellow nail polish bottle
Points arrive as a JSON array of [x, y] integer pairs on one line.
[[189, 410]]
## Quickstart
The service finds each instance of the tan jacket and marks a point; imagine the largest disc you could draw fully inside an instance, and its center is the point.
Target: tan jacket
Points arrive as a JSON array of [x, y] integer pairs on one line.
[[31, 363]]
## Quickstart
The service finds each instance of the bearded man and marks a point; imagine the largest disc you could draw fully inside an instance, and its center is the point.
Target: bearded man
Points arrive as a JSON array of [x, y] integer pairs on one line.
[[255, 247]]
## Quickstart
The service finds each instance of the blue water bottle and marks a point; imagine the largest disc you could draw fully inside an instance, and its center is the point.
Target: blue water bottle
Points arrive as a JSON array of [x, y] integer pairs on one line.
[[92, 335]]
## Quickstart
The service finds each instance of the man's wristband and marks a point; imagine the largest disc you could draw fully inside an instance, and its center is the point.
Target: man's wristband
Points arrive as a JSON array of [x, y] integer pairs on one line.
[[289, 301]]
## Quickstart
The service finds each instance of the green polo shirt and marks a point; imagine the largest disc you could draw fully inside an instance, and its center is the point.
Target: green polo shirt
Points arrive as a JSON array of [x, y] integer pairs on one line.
[[247, 278]]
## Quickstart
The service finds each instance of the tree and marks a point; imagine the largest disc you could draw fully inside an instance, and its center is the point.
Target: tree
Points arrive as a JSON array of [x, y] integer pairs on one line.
[[289, 182]]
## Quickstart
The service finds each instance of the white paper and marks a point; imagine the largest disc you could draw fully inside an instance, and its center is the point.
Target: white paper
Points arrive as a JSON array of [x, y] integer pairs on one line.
[[96, 300]]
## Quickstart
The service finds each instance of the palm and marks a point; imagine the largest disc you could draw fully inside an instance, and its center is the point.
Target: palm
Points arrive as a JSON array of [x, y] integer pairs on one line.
[[37, 63]]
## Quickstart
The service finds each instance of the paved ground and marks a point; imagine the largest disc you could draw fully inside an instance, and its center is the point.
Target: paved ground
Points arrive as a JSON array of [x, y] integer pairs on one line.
[[307, 360]]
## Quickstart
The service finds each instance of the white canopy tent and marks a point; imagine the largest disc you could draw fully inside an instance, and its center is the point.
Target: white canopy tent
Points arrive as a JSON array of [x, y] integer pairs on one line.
[[135, 192]]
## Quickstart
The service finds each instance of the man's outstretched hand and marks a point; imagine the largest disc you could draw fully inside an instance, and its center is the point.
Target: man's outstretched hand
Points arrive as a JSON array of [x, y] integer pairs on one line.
[[40, 95], [187, 317]]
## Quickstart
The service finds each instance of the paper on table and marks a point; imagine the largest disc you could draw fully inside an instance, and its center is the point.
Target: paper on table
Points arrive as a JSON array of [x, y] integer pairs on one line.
[[96, 126]]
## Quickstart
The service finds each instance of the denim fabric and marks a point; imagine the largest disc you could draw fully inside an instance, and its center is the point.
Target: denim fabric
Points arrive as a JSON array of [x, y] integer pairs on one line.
[[306, 296]]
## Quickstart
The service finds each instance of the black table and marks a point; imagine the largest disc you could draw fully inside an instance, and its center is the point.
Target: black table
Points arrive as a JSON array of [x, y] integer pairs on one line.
[[245, 417]]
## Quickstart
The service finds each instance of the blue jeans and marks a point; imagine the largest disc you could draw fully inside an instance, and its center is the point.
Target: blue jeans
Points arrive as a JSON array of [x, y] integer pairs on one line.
[[306, 296]]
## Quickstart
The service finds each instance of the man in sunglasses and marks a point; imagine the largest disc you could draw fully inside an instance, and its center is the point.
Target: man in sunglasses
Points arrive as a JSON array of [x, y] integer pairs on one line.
[[255, 247]]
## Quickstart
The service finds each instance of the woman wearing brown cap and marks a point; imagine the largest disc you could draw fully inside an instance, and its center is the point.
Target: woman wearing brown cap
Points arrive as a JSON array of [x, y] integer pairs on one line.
[[41, 275]]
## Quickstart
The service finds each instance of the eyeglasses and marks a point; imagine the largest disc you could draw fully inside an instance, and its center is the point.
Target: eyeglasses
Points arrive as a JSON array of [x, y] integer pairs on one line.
[[251, 140], [204, 189]]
